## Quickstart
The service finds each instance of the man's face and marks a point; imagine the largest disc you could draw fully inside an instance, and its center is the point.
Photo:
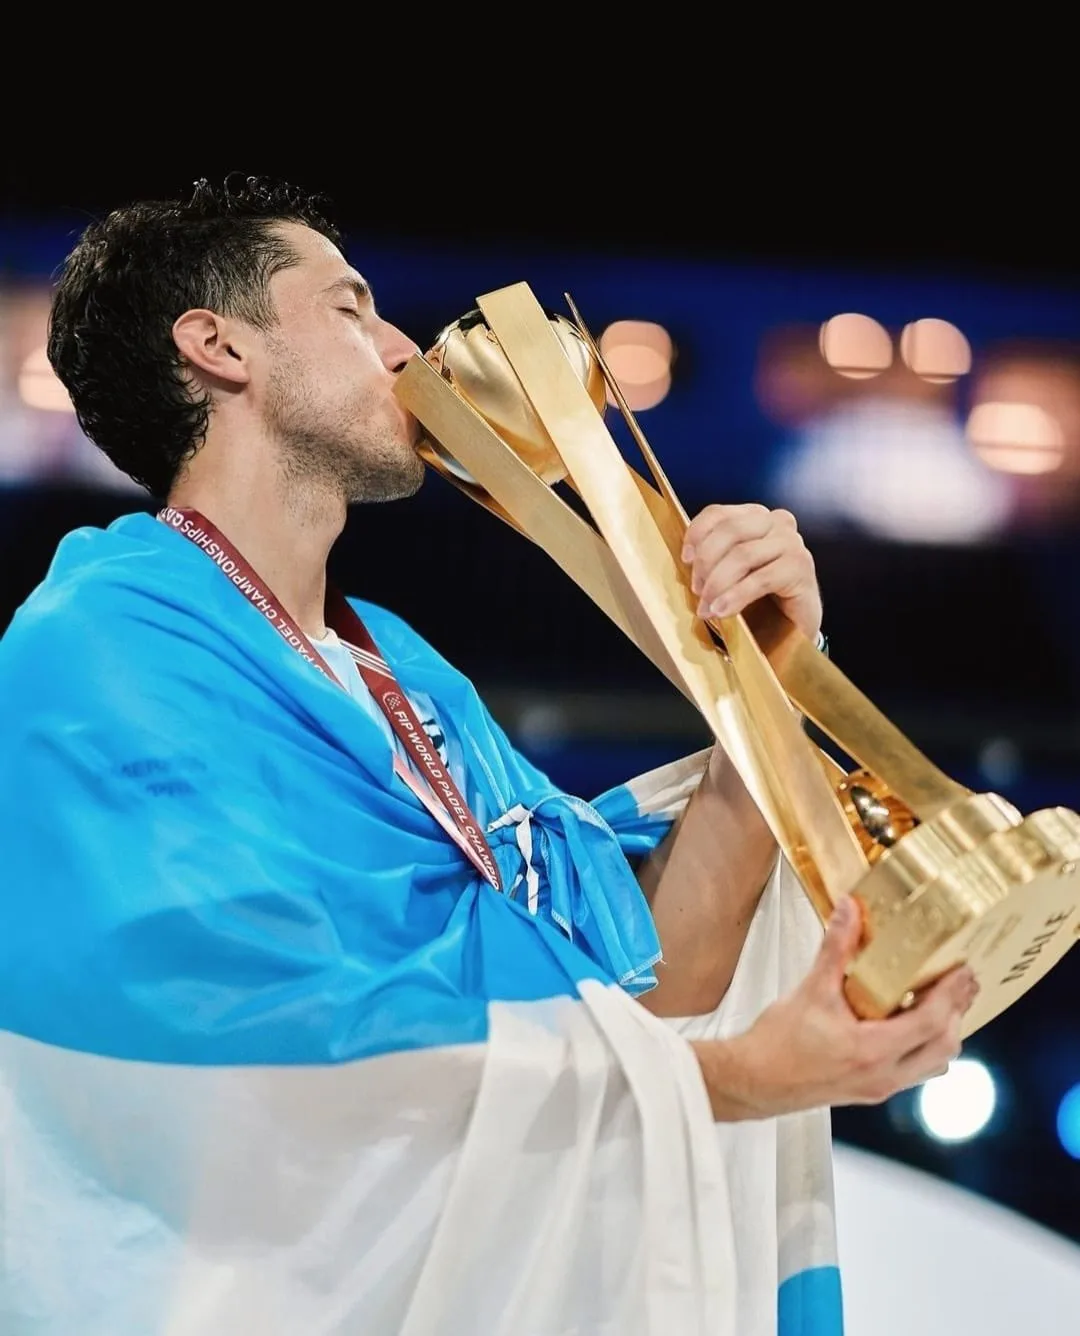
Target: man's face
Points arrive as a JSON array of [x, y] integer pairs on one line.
[[327, 388]]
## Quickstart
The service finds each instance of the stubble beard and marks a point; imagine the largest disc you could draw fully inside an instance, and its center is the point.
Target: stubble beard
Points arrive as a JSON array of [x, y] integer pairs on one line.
[[324, 452]]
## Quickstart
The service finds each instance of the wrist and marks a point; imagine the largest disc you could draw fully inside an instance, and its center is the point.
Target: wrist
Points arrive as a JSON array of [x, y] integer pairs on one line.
[[727, 1069]]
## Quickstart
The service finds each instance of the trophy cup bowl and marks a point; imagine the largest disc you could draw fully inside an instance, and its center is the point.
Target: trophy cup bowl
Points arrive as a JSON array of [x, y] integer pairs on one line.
[[468, 356]]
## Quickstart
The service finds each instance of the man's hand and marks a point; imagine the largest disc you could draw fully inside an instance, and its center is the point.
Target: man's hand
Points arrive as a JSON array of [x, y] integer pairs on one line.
[[738, 554], [810, 1050]]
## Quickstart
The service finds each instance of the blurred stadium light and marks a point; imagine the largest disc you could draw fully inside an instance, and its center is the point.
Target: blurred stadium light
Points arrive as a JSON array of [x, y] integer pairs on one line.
[[1068, 1122], [959, 1104]]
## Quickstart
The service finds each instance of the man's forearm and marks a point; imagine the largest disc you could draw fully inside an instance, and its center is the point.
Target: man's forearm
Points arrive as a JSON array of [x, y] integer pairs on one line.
[[703, 884], [728, 1081]]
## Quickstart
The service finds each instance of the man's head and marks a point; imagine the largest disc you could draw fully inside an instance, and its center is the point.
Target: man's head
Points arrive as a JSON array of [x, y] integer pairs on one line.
[[232, 315]]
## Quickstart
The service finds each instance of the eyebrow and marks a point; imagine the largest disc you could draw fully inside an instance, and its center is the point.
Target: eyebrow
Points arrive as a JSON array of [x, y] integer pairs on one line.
[[353, 285]]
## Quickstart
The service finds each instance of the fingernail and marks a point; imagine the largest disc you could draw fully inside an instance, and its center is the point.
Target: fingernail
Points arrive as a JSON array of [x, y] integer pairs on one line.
[[841, 912], [721, 607], [688, 553]]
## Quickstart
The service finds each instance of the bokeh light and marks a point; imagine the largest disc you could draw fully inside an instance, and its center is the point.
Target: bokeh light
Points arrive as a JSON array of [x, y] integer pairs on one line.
[[957, 1105], [39, 387], [855, 346], [1068, 1122], [935, 350], [897, 469], [1016, 437], [639, 355]]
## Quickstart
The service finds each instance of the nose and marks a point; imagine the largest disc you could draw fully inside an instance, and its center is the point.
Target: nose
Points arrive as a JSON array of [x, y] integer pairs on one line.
[[397, 348]]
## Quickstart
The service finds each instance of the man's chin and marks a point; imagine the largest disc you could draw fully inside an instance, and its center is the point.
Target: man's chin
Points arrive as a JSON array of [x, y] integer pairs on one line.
[[397, 487], [417, 474]]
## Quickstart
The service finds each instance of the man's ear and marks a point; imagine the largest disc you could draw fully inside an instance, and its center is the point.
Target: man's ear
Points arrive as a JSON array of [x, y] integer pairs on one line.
[[208, 343]]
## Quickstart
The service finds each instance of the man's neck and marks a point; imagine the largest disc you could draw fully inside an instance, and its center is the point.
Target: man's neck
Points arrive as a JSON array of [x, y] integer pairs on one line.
[[284, 532]]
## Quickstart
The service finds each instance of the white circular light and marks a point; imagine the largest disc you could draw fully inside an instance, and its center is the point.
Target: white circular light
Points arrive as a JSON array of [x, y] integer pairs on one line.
[[959, 1104]]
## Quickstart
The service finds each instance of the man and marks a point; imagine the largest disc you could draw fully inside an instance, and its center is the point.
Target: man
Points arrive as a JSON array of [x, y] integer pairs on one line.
[[321, 1009]]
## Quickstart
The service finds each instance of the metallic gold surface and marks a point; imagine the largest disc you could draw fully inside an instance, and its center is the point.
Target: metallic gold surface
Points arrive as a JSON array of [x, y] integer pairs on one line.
[[469, 357], [822, 847], [877, 815], [843, 713], [509, 489], [1007, 906], [942, 874]]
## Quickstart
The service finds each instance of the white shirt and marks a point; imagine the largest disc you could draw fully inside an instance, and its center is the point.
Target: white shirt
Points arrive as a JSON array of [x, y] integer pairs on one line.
[[336, 653]]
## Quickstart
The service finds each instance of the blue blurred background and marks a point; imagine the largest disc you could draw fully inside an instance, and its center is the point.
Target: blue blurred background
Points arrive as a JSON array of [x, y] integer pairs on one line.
[[905, 377]]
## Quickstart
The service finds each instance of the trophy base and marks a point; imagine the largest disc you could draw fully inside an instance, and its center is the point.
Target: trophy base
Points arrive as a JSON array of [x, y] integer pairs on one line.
[[980, 885]]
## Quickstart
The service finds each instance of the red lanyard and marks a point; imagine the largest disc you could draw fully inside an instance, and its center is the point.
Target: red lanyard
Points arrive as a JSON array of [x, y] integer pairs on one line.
[[373, 668]]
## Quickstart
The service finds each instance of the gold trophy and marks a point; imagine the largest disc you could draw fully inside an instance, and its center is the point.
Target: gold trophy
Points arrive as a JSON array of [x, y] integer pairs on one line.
[[512, 399]]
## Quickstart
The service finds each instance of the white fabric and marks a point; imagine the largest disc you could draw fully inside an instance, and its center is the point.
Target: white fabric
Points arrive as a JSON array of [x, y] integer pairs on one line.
[[521, 819], [779, 1170], [348, 1201]]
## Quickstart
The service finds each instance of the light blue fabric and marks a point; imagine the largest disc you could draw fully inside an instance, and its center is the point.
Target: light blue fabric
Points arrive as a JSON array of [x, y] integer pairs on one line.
[[208, 859], [810, 1303]]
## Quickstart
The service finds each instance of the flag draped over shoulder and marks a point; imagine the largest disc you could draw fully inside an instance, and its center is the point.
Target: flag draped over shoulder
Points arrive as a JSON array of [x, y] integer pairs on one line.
[[273, 1057]]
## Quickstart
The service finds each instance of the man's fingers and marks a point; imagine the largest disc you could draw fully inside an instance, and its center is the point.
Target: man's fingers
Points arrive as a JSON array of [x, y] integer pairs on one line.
[[726, 525], [717, 568], [950, 996], [738, 552], [778, 577], [933, 1058]]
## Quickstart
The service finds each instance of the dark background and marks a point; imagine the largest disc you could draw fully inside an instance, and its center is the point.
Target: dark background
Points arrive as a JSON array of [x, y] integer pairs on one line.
[[971, 646]]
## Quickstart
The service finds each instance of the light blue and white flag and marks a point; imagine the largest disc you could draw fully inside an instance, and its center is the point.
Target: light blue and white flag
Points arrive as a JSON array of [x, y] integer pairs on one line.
[[275, 1059]]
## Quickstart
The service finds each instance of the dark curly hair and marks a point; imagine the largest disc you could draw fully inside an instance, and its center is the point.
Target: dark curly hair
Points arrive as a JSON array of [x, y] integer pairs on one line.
[[125, 283]]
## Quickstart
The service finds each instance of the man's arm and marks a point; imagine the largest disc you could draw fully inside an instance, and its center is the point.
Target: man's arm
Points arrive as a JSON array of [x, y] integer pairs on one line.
[[704, 880], [703, 883]]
